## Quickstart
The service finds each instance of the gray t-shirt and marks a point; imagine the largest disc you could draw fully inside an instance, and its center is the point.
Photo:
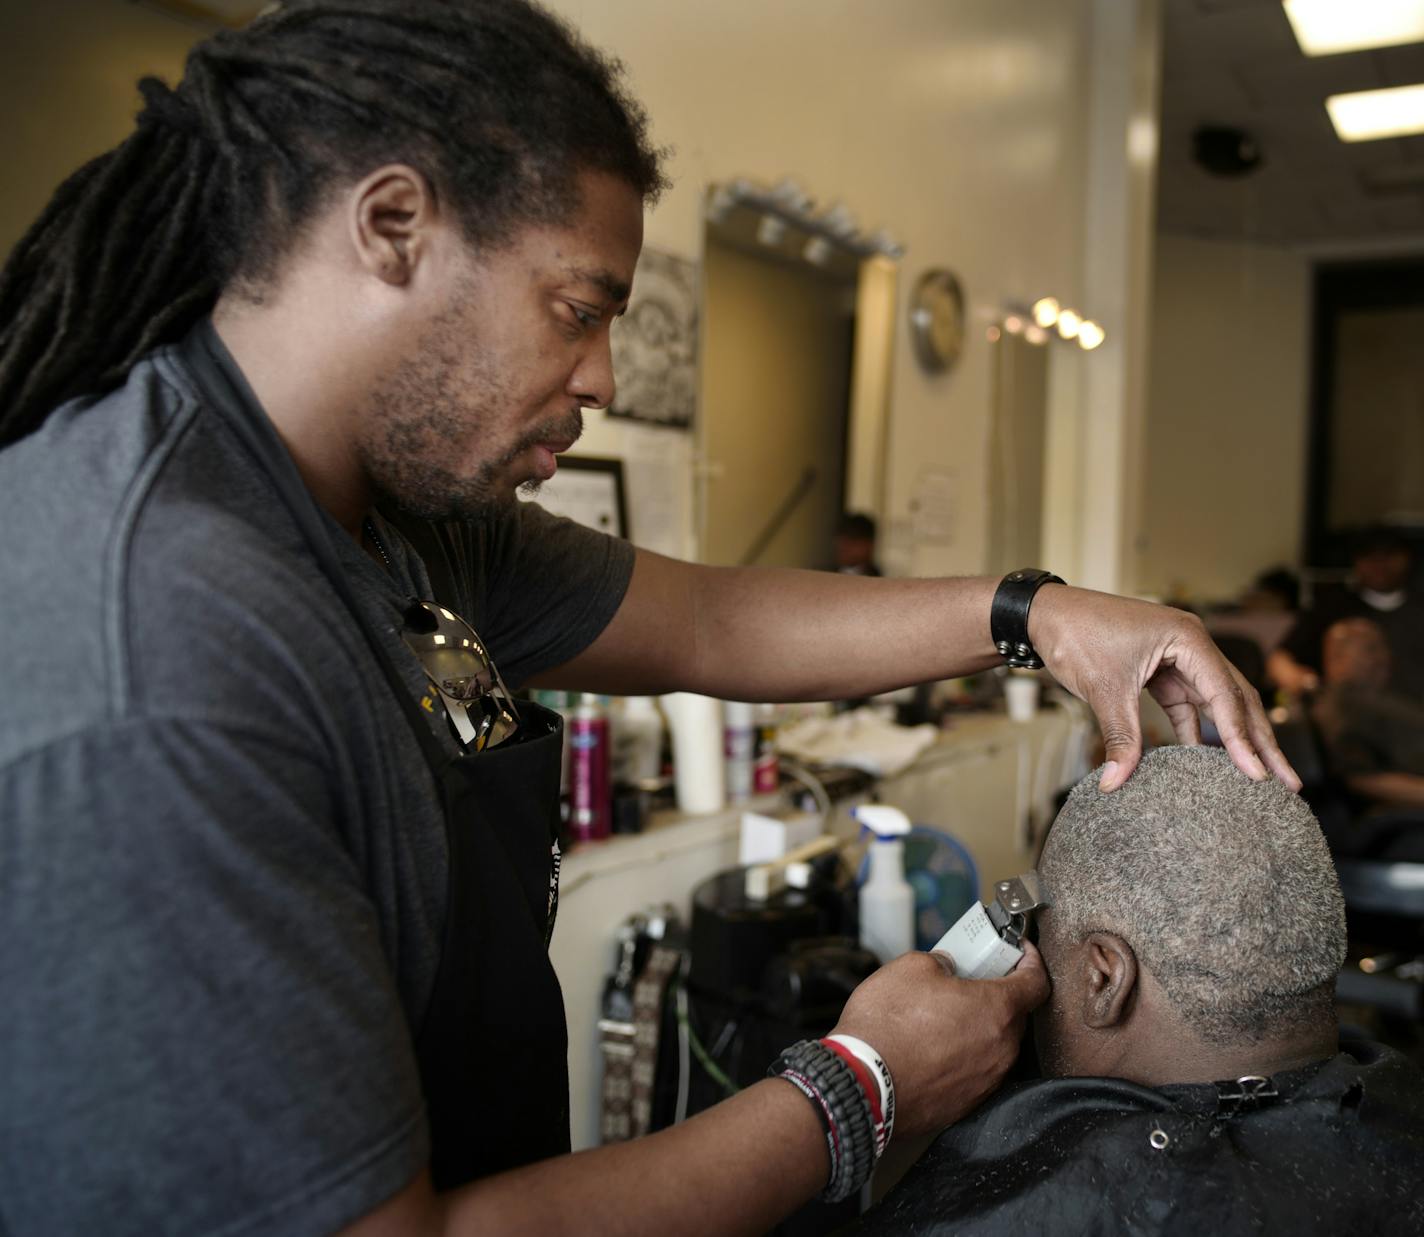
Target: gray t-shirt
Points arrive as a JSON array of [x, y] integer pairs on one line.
[[222, 865]]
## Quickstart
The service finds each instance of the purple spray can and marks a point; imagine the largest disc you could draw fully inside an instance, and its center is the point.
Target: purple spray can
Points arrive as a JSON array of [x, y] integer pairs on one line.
[[590, 788]]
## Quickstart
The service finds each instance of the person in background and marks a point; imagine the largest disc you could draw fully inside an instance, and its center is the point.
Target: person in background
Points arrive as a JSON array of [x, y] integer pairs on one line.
[[1194, 1077], [855, 545], [1380, 589], [1275, 589], [1373, 736]]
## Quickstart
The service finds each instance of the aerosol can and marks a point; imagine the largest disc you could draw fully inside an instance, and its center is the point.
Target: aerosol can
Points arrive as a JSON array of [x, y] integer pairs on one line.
[[590, 790]]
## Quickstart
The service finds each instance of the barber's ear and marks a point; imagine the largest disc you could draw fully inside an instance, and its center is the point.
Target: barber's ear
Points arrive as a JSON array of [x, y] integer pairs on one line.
[[1110, 980], [391, 214]]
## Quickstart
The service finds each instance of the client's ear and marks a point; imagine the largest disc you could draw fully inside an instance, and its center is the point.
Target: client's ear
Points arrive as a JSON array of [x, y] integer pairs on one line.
[[1110, 980]]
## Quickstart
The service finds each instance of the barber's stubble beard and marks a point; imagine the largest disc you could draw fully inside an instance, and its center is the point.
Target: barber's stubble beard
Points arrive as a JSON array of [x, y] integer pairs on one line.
[[443, 396]]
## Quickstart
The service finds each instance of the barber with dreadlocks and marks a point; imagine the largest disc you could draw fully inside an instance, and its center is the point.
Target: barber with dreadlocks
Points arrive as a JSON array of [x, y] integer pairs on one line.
[[272, 937]]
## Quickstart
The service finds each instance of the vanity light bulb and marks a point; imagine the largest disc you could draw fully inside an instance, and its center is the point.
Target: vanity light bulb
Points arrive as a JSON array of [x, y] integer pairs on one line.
[[1014, 324], [1036, 335], [721, 204], [992, 334], [1045, 311], [1070, 322], [771, 231], [1090, 335]]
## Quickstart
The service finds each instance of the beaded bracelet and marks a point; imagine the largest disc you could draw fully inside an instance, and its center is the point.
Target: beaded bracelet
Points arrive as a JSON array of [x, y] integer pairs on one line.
[[854, 1097]]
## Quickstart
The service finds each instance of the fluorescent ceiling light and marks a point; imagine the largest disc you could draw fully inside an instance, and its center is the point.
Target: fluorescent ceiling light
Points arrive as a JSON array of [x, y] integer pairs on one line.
[[1370, 114], [1324, 27]]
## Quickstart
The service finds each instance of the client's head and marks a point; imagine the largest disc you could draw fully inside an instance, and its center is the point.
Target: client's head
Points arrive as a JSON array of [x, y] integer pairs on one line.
[[1195, 930]]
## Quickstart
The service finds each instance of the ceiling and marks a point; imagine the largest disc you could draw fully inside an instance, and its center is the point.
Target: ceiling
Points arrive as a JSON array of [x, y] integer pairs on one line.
[[1236, 63]]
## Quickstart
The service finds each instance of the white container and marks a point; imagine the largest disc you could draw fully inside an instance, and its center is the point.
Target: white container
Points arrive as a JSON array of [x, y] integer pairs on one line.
[[1021, 695], [739, 748], [696, 725], [767, 838], [887, 901]]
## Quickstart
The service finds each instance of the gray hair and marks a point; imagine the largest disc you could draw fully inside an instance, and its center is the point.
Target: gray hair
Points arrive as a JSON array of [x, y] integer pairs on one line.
[[1223, 887]]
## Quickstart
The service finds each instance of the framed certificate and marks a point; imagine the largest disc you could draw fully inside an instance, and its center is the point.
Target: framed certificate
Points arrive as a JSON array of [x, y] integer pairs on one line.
[[588, 490]]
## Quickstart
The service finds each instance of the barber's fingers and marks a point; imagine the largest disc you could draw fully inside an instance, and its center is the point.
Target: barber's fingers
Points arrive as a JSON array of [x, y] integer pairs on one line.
[[1246, 730], [1118, 711], [1263, 738], [1186, 722], [1027, 984], [1225, 697]]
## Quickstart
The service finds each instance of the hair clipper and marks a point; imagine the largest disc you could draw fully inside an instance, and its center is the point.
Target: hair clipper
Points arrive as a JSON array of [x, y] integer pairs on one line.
[[984, 941]]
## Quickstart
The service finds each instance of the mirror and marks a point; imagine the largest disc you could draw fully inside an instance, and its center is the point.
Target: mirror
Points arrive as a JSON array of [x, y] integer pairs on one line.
[[796, 321], [1035, 447]]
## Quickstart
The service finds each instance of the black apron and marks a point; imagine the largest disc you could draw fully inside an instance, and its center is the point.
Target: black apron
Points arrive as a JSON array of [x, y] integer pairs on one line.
[[492, 1045]]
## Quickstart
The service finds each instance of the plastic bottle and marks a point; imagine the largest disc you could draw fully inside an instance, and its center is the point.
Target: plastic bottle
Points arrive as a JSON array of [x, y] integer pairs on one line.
[[739, 748], [696, 724], [590, 787], [766, 763], [887, 900]]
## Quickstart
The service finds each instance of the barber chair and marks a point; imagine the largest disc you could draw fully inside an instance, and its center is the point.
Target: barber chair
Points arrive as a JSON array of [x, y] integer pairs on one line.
[[1389, 897]]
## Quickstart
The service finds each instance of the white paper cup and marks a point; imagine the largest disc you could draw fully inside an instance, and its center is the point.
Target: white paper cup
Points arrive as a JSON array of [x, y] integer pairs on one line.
[[696, 725], [1021, 693]]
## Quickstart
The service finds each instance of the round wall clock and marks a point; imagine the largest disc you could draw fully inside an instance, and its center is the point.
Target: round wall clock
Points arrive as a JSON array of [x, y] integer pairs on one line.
[[937, 320]]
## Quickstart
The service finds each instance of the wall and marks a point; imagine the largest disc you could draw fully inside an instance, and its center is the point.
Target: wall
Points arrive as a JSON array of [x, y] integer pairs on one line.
[[67, 74], [1226, 435]]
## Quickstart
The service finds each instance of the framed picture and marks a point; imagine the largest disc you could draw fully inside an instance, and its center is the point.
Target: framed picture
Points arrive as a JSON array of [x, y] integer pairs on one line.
[[655, 344], [589, 490]]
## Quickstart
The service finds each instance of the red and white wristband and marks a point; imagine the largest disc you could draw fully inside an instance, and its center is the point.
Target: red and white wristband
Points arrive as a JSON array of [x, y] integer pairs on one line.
[[851, 1090], [874, 1077]]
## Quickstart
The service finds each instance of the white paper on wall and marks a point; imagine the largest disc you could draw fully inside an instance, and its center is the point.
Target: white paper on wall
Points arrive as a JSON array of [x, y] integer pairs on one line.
[[934, 508]]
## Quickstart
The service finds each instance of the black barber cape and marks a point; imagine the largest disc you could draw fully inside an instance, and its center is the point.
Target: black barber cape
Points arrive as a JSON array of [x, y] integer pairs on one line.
[[1341, 1151]]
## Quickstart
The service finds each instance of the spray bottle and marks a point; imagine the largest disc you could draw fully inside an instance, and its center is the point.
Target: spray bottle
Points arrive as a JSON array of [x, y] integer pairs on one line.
[[887, 900]]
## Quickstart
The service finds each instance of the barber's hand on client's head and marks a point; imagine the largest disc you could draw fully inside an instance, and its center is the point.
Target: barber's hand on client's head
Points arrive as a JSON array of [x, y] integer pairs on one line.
[[1106, 649], [947, 1041]]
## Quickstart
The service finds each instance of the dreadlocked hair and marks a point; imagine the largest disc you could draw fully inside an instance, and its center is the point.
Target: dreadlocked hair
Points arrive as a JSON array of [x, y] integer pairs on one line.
[[497, 103]]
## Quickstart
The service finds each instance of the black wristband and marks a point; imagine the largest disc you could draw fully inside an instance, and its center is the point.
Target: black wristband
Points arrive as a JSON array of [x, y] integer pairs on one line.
[[843, 1108], [1008, 616]]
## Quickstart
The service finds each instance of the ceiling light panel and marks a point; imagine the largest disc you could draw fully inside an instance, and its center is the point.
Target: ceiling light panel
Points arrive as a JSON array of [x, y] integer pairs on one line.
[[1324, 27], [1370, 114]]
